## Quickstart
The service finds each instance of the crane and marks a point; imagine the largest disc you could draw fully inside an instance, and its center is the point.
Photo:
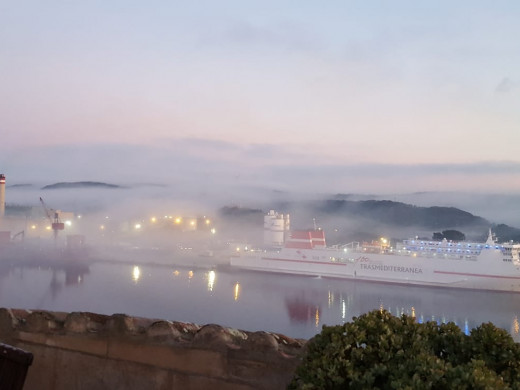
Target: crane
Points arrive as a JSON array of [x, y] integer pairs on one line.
[[56, 224]]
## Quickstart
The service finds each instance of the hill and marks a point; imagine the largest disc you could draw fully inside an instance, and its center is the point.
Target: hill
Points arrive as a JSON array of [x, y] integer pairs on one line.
[[80, 184], [401, 214], [348, 220]]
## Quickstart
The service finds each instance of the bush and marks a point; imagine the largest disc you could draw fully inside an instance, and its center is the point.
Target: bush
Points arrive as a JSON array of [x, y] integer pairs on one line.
[[381, 351]]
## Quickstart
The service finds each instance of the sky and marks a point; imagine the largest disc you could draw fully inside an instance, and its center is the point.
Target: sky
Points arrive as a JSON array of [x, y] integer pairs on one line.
[[335, 96]]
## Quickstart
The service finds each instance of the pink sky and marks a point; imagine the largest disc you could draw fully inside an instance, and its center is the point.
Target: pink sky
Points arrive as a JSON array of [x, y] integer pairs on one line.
[[428, 85]]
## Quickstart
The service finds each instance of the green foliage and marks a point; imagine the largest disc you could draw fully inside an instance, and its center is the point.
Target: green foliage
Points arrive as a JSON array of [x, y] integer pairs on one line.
[[450, 235], [398, 214], [506, 233], [453, 235], [17, 210], [437, 236], [381, 351]]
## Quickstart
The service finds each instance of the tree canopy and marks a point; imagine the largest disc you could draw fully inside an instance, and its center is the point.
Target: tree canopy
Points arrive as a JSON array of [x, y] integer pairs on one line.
[[450, 235], [380, 351]]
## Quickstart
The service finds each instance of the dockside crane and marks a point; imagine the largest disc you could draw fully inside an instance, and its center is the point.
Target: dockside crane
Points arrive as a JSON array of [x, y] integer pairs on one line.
[[56, 224]]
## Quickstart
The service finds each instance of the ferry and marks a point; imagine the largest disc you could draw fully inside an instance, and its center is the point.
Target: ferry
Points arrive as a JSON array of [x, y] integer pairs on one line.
[[483, 266]]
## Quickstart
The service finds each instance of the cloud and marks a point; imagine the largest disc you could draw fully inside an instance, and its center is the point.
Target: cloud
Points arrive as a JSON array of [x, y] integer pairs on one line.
[[506, 85], [395, 170], [262, 153], [287, 36], [202, 143], [391, 178], [221, 165]]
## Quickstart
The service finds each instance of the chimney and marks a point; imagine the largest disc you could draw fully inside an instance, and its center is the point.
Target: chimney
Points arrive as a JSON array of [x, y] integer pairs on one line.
[[2, 195]]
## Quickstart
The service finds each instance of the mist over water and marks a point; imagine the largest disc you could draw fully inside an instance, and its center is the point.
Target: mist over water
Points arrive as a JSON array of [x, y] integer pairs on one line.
[[121, 209], [175, 274], [135, 198]]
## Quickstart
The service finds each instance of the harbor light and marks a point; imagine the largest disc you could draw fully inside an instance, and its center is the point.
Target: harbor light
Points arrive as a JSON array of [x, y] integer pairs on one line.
[[137, 226], [68, 223], [213, 231]]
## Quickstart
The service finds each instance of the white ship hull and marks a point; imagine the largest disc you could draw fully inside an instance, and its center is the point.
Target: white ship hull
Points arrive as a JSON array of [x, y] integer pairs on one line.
[[490, 270], [458, 264]]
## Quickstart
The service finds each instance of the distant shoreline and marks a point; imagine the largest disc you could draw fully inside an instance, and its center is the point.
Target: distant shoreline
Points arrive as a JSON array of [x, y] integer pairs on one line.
[[80, 184]]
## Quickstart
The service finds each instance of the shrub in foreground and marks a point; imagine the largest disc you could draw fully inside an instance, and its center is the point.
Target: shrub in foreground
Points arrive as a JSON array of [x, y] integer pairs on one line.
[[381, 351]]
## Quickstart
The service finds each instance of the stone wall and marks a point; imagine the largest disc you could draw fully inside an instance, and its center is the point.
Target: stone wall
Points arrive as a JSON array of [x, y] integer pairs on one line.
[[91, 351]]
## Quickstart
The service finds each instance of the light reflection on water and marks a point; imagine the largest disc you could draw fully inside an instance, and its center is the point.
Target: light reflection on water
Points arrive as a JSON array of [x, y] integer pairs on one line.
[[293, 305], [136, 273]]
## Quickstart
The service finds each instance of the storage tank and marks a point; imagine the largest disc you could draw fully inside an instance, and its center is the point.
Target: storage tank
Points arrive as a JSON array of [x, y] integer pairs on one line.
[[275, 227]]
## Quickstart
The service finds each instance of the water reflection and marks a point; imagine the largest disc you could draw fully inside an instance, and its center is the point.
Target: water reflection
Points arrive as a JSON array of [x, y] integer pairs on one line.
[[211, 280], [54, 277], [293, 305], [311, 302], [237, 291], [301, 311], [515, 327], [136, 273]]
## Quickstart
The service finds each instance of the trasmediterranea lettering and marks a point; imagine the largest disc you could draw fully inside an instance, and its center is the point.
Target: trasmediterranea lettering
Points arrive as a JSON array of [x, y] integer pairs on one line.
[[391, 268]]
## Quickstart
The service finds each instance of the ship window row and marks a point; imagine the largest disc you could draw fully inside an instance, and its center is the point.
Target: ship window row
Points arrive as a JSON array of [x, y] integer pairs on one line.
[[450, 244], [441, 250], [426, 249], [451, 255], [441, 243]]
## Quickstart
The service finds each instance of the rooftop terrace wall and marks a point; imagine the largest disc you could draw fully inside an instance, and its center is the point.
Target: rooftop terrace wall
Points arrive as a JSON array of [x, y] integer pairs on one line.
[[80, 351]]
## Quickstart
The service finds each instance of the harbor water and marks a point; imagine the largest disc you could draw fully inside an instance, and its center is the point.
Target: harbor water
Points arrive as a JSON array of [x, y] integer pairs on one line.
[[297, 306]]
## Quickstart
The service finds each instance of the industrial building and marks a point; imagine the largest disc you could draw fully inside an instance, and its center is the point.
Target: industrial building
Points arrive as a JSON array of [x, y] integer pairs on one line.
[[32, 223]]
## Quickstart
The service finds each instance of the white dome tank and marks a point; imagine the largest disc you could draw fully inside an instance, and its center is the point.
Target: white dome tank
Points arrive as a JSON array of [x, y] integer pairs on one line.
[[275, 227]]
